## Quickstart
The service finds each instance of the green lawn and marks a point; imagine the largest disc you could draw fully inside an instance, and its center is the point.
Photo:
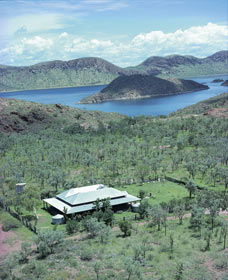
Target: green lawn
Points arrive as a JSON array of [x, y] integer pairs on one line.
[[22, 232], [160, 191], [44, 221]]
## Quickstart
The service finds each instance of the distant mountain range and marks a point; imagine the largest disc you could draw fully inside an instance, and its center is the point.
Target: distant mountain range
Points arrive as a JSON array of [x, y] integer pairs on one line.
[[97, 71], [142, 86]]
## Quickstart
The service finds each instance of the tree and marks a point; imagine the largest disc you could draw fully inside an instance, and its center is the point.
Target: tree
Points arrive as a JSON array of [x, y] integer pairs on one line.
[[142, 194], [191, 187], [171, 243], [143, 208], [179, 212], [132, 268], [207, 236], [213, 207], [103, 211], [96, 228], [125, 227], [179, 271], [197, 217], [72, 226], [97, 268], [224, 232], [47, 241], [158, 215], [25, 252]]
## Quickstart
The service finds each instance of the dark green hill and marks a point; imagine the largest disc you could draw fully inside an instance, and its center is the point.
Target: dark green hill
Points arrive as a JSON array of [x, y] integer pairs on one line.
[[142, 86], [54, 74], [185, 66], [97, 71]]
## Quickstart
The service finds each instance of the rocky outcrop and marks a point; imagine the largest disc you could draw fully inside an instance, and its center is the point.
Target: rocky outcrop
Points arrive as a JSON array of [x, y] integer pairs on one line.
[[142, 86]]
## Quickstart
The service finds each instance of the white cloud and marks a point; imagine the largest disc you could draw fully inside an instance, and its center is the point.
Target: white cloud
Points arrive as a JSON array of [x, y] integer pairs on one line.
[[197, 40], [36, 23], [207, 34]]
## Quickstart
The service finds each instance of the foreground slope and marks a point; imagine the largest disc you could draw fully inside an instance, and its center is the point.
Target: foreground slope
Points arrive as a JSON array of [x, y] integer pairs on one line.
[[17, 116], [129, 154], [215, 106], [142, 86]]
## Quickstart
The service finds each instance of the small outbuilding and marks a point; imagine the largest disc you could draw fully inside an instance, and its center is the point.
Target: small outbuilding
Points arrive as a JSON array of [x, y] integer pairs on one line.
[[20, 187], [58, 219], [135, 207]]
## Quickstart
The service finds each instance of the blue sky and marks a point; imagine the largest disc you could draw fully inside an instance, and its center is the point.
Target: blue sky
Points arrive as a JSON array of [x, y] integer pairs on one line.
[[124, 32]]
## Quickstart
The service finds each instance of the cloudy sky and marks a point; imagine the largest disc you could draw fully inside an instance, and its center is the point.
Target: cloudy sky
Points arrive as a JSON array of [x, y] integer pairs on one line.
[[125, 32]]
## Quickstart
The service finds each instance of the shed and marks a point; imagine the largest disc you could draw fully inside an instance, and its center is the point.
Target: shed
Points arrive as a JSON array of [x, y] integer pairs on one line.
[[58, 219], [135, 207], [20, 187]]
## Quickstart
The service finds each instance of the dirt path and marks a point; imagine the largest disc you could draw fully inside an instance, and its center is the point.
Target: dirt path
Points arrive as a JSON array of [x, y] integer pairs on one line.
[[188, 215], [8, 243]]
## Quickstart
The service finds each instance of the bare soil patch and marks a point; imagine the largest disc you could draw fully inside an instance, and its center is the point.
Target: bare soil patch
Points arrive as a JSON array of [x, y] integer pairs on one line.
[[218, 112], [8, 243]]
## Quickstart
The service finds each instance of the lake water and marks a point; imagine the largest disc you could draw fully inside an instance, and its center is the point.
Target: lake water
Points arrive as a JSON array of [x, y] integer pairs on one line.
[[151, 106]]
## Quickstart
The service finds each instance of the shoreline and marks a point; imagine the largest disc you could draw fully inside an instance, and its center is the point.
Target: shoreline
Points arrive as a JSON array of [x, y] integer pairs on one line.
[[141, 97], [101, 84]]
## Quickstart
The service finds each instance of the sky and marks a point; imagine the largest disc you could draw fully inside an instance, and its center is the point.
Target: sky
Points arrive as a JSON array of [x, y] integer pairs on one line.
[[124, 32]]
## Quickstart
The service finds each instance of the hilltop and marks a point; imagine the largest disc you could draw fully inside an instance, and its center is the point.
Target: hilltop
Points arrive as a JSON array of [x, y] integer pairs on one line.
[[142, 86], [97, 71], [54, 74], [184, 65]]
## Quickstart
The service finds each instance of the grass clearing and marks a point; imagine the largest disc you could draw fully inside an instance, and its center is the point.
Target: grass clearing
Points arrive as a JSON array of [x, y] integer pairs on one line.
[[160, 191]]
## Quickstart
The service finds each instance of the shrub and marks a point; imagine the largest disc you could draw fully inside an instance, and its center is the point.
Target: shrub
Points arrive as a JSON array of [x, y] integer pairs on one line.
[[48, 241], [125, 227], [72, 226], [86, 254], [221, 262]]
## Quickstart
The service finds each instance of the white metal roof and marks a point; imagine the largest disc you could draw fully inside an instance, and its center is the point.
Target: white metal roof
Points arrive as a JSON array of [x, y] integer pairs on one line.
[[56, 203], [82, 190], [83, 200], [74, 198]]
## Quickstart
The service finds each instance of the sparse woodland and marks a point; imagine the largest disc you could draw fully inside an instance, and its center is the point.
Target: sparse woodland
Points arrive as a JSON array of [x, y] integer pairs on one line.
[[181, 238]]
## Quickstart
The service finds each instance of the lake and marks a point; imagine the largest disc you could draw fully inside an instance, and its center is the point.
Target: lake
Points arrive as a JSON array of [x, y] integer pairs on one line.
[[155, 106]]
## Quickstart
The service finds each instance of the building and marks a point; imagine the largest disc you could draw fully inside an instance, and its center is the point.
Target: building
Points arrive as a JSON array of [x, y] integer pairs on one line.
[[79, 200]]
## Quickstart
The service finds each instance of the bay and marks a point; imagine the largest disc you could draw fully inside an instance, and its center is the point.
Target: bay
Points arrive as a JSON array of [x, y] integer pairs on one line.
[[162, 105]]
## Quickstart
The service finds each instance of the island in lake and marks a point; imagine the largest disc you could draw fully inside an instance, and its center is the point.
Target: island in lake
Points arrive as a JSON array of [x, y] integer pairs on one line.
[[142, 86]]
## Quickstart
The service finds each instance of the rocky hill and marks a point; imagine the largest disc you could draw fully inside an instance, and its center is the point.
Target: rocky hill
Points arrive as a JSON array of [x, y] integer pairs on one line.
[[54, 74], [185, 66], [97, 71], [142, 86]]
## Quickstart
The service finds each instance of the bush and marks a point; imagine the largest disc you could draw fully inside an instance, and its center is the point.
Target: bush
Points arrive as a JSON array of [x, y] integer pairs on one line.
[[125, 227], [86, 254], [48, 241], [72, 226], [10, 223], [221, 262]]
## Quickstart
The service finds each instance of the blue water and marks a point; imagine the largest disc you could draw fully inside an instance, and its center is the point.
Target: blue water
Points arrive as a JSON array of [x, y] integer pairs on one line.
[[151, 106]]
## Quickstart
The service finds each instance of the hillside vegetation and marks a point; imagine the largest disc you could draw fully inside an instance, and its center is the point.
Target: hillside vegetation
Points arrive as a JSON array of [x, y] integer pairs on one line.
[[96, 71], [179, 232], [185, 66]]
